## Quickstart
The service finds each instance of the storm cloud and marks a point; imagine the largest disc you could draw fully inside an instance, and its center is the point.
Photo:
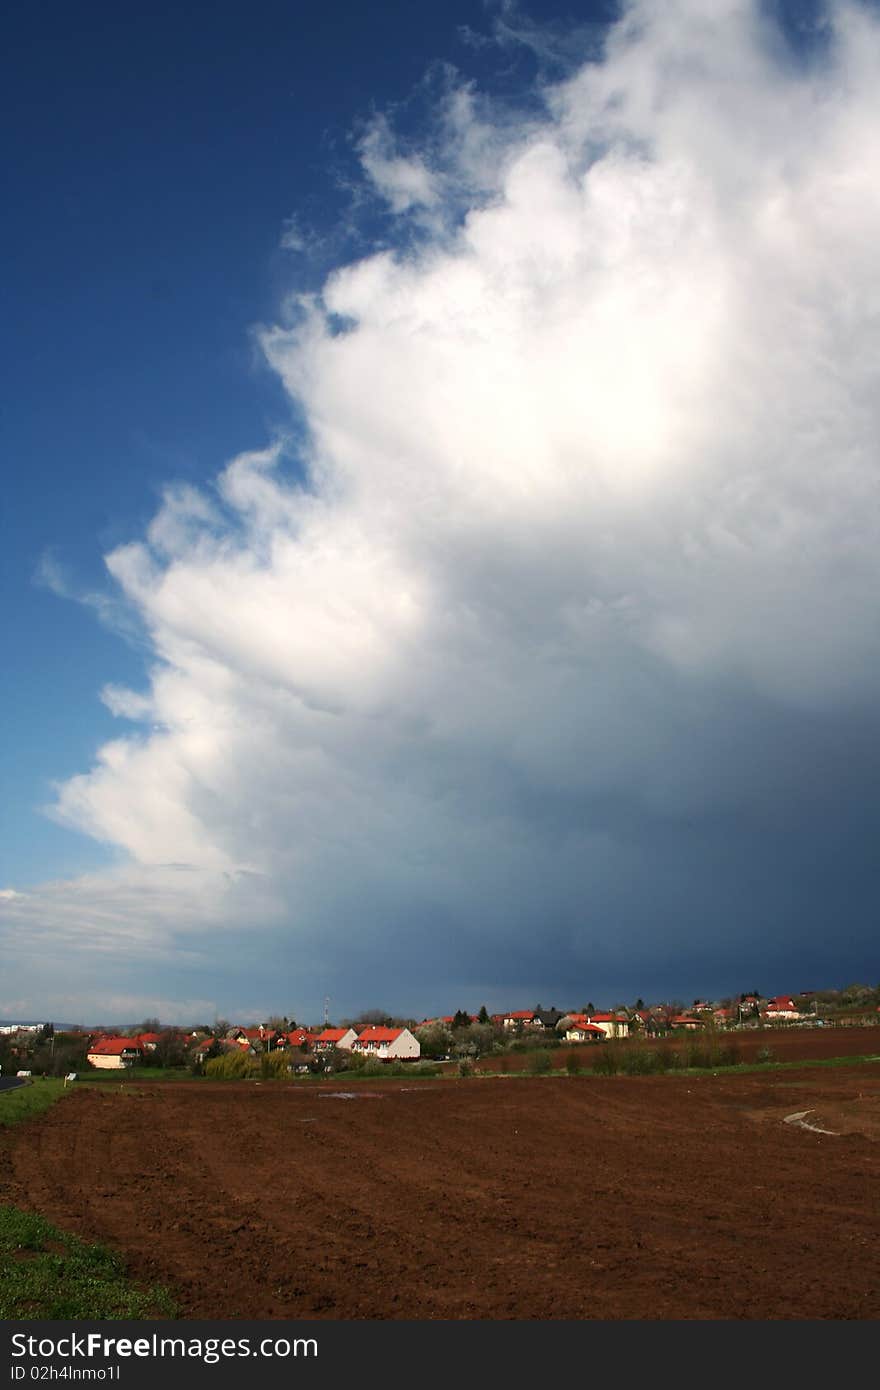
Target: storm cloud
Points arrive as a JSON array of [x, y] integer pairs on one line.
[[544, 661]]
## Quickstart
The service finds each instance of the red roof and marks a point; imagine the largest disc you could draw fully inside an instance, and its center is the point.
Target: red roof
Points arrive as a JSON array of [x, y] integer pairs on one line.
[[585, 1027], [114, 1047], [331, 1035], [146, 1038], [379, 1035]]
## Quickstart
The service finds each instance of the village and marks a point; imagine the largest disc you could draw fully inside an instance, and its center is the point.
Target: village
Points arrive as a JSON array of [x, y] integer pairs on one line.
[[374, 1038]]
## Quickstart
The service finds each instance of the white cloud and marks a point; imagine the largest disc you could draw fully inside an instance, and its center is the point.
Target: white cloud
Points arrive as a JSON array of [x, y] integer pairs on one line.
[[405, 182], [581, 473]]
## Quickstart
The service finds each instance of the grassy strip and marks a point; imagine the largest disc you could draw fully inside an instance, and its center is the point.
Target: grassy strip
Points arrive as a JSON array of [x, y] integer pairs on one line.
[[24, 1102], [737, 1069], [118, 1077], [45, 1273]]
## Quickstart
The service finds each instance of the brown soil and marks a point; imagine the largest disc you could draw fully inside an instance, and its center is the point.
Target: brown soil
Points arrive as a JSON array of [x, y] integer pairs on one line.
[[625, 1197]]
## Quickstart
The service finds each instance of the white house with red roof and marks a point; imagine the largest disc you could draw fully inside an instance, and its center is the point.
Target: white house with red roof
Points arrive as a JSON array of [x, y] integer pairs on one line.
[[335, 1037], [781, 1009], [612, 1025], [520, 1018], [112, 1054], [388, 1044], [577, 1029]]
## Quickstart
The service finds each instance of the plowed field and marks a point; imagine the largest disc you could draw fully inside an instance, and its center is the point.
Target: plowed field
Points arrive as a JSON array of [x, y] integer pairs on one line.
[[626, 1197]]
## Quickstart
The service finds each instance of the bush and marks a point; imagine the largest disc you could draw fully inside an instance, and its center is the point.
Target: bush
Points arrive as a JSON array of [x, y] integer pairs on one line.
[[540, 1063], [639, 1061], [278, 1064], [606, 1061], [233, 1066], [573, 1064], [465, 1068]]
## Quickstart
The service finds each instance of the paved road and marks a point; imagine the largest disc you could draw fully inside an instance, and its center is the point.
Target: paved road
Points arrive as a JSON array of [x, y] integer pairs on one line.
[[8, 1083]]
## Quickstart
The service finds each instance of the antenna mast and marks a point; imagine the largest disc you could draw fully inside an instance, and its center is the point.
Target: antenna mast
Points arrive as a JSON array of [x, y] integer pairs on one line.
[[326, 1009]]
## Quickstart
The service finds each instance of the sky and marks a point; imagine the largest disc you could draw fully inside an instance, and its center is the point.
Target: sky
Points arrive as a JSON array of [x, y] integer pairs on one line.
[[440, 514]]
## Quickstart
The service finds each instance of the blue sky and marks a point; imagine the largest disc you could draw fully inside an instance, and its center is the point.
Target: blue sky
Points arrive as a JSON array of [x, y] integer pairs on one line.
[[474, 410], [154, 159]]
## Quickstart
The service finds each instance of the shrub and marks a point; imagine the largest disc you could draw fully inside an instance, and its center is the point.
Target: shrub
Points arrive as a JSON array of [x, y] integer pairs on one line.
[[606, 1062], [540, 1063], [277, 1064], [233, 1066], [698, 1055], [639, 1061], [573, 1064], [465, 1068]]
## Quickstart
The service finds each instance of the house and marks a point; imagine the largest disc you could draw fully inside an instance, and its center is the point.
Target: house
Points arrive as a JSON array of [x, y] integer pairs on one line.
[[335, 1037], [201, 1046], [521, 1018], [579, 1030], [147, 1041], [782, 1009], [388, 1044], [612, 1025], [112, 1054], [687, 1023], [549, 1018]]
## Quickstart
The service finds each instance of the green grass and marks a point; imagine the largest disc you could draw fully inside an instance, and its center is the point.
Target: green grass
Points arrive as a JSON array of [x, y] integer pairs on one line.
[[113, 1076], [25, 1102], [45, 1273]]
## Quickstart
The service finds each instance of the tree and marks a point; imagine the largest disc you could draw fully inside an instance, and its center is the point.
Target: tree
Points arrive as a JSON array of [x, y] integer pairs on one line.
[[640, 1004], [461, 1019], [434, 1042], [483, 1015], [169, 1050], [149, 1025]]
